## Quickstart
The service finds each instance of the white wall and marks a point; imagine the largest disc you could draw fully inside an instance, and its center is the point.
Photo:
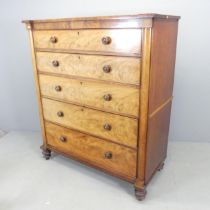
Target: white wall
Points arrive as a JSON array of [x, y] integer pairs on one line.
[[191, 107]]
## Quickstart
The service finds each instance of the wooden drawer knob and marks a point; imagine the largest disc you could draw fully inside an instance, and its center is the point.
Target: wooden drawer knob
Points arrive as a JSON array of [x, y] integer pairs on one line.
[[106, 40], [60, 114], [58, 88], [107, 68], [108, 155], [107, 127], [107, 97], [63, 139], [55, 63], [53, 39]]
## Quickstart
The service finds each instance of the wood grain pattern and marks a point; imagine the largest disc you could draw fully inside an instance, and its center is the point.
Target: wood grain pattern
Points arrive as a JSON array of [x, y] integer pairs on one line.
[[163, 52], [114, 118], [87, 52], [161, 107], [162, 62], [123, 129], [93, 24], [157, 140], [122, 99], [124, 40], [109, 18], [105, 22], [144, 99], [93, 150], [123, 69], [38, 92]]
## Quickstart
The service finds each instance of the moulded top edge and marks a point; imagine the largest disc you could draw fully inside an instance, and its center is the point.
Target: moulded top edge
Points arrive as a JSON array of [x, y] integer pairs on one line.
[[122, 17]]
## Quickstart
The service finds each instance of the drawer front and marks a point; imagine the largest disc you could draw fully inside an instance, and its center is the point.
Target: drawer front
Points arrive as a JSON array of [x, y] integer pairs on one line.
[[109, 97], [111, 41], [110, 126], [117, 69], [105, 155]]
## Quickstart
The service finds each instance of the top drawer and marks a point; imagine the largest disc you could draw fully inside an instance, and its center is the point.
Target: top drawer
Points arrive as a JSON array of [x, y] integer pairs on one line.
[[126, 41]]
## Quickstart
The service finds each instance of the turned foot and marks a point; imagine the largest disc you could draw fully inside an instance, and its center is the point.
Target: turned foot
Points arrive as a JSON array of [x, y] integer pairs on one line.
[[46, 153], [160, 167], [140, 194]]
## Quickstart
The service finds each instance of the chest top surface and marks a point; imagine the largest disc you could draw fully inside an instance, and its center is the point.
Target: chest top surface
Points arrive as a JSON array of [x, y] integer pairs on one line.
[[121, 21]]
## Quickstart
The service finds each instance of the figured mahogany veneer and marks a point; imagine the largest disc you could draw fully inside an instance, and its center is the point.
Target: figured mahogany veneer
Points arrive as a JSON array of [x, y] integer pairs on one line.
[[111, 98], [98, 152], [104, 87], [123, 129], [110, 41], [106, 68]]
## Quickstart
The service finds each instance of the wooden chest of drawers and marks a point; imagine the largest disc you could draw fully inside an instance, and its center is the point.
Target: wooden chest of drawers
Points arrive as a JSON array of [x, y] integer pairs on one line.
[[104, 86]]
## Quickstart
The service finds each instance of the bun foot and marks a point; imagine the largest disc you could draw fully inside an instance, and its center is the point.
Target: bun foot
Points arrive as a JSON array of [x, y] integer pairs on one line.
[[160, 167], [46, 153], [140, 194]]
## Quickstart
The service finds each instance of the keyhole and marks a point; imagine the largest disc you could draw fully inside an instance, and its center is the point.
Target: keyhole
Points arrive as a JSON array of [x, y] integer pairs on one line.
[[80, 83], [78, 33]]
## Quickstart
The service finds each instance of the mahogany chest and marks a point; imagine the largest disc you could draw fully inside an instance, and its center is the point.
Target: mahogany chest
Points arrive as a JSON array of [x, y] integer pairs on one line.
[[104, 88]]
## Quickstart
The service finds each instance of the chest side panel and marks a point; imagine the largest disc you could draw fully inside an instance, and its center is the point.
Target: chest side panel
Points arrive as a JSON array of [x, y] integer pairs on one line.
[[163, 52]]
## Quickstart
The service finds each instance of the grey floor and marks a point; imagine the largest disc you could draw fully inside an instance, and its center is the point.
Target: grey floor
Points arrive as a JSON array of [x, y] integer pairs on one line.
[[28, 182]]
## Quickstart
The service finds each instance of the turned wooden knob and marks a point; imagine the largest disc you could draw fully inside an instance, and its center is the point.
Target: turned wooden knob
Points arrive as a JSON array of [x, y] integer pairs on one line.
[[60, 114], [63, 139], [107, 97], [107, 68], [108, 155], [58, 88], [106, 40], [53, 39], [55, 63], [107, 127]]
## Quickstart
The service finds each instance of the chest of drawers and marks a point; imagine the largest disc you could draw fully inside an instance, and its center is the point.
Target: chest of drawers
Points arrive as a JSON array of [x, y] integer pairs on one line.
[[104, 88]]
